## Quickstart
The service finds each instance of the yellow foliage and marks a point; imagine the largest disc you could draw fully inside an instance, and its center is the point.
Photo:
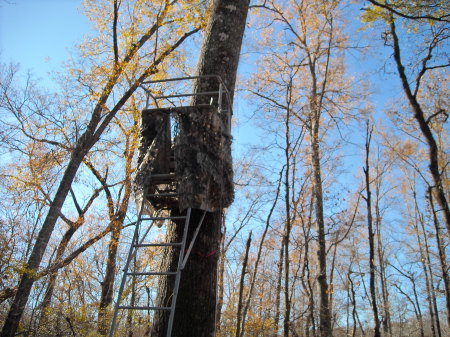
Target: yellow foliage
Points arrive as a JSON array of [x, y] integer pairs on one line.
[[408, 148], [256, 325], [372, 14]]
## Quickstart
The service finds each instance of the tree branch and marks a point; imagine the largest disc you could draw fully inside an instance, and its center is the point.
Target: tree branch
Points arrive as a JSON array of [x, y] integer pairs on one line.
[[443, 18]]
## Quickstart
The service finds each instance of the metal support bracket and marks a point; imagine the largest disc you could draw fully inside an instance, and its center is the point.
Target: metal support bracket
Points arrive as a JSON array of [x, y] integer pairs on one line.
[[188, 252]]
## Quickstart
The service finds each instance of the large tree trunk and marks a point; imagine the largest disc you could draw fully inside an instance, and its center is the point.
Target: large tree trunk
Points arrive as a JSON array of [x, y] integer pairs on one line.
[[325, 325], [196, 304], [108, 282]]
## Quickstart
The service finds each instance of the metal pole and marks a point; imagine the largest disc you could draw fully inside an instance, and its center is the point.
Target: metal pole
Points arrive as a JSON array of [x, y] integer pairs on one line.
[[188, 252], [178, 277], [127, 264], [219, 103]]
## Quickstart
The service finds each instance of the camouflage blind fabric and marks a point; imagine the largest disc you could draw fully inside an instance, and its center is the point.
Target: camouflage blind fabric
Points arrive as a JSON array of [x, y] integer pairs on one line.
[[201, 152]]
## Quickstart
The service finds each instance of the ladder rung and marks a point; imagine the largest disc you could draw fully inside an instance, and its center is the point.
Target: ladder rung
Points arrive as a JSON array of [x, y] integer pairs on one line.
[[162, 195], [164, 218], [171, 244], [143, 308], [153, 273], [163, 176]]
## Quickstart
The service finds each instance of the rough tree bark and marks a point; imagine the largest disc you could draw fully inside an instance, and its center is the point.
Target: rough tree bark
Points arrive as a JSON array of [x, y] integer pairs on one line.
[[196, 304], [325, 325]]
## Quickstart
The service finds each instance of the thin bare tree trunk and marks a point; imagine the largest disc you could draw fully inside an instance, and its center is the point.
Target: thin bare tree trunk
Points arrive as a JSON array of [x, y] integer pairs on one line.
[[368, 199], [430, 270], [306, 276], [442, 256], [239, 316], [332, 268], [325, 313], [419, 311], [415, 305], [387, 326], [288, 220], [53, 276], [428, 285], [353, 299], [278, 290], [287, 300], [107, 285], [259, 254]]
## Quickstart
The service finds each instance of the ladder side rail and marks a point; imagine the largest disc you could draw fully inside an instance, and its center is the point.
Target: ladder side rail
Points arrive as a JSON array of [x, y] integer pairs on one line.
[[178, 276], [134, 242], [139, 243], [219, 102], [122, 283]]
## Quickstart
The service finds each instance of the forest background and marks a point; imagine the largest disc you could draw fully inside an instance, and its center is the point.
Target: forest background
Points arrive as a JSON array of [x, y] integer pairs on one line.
[[368, 138]]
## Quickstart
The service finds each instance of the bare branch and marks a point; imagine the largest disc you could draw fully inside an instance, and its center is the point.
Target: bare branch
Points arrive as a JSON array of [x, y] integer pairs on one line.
[[443, 18]]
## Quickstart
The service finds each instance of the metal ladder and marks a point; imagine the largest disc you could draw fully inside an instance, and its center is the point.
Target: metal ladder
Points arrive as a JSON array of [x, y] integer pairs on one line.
[[139, 242]]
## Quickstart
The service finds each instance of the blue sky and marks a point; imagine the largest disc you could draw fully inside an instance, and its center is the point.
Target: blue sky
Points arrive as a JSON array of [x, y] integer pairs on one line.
[[38, 34]]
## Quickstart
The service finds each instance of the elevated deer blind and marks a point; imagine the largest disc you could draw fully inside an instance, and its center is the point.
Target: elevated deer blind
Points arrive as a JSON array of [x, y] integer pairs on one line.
[[191, 144]]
